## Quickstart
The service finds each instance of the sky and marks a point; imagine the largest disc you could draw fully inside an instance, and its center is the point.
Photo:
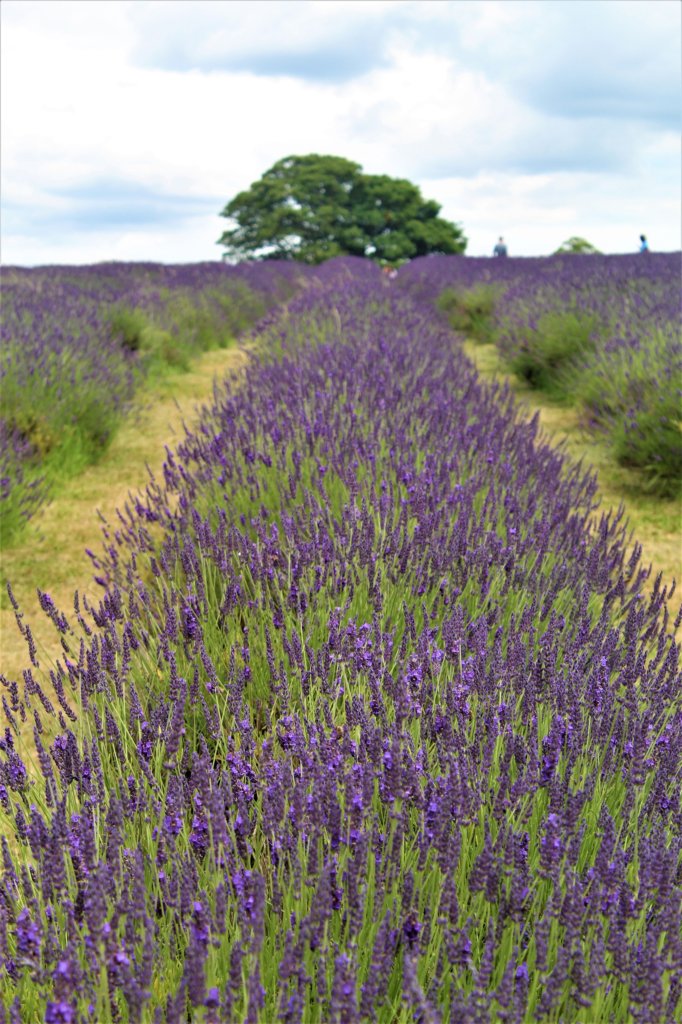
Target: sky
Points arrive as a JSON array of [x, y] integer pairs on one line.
[[126, 126]]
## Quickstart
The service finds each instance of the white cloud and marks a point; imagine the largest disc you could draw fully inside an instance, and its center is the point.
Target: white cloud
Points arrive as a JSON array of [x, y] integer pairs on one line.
[[319, 41], [536, 213], [485, 105]]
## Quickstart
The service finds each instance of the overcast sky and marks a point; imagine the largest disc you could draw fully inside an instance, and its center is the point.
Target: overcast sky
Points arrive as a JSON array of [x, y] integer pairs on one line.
[[126, 126]]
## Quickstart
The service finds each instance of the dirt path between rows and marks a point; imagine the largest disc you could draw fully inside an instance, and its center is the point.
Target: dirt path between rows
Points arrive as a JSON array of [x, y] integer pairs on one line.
[[51, 555]]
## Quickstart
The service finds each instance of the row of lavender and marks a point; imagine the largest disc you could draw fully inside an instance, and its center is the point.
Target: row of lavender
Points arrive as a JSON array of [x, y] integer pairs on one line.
[[602, 331], [372, 723], [75, 342]]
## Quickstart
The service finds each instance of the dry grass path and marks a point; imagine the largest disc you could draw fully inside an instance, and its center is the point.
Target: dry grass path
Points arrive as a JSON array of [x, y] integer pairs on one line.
[[51, 553]]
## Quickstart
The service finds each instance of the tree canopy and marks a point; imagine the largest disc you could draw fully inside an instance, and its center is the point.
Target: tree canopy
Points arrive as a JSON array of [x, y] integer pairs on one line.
[[311, 208], [576, 245]]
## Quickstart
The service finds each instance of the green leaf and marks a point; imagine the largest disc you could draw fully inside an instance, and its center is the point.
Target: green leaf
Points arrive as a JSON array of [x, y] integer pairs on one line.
[[312, 208]]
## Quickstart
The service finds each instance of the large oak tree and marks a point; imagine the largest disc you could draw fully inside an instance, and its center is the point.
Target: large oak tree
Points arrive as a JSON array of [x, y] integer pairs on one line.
[[313, 207]]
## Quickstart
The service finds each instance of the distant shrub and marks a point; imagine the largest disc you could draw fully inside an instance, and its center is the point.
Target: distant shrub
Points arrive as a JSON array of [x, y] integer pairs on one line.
[[54, 423], [651, 441], [547, 357], [127, 326], [178, 323], [22, 485], [470, 310], [214, 317], [137, 331], [577, 246], [632, 389]]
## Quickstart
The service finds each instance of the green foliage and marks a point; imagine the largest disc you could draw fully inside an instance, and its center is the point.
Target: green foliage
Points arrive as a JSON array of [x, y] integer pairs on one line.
[[63, 417], [128, 325], [312, 208], [549, 356], [62, 436], [139, 333], [14, 506], [470, 310], [32, 410], [653, 444], [633, 391], [621, 377], [576, 245], [213, 318], [184, 323]]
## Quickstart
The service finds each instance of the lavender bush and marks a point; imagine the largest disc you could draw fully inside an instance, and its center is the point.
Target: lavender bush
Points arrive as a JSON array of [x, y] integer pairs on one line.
[[632, 392], [68, 370], [373, 721], [599, 331]]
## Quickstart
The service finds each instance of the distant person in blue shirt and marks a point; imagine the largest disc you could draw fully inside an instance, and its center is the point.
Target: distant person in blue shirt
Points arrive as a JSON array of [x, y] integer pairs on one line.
[[643, 244], [501, 248]]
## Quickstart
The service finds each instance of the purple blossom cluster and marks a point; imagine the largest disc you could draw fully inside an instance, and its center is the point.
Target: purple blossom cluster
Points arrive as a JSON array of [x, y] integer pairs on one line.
[[62, 365], [372, 722]]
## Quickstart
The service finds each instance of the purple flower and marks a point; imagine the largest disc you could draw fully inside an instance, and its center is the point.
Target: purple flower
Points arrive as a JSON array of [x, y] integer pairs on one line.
[[212, 1000], [199, 927], [412, 929], [382, 586], [552, 842], [172, 824], [13, 772], [199, 835], [59, 1013], [29, 935]]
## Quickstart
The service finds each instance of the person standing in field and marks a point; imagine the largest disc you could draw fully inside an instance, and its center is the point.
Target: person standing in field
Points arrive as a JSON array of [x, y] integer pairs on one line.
[[643, 244], [501, 247]]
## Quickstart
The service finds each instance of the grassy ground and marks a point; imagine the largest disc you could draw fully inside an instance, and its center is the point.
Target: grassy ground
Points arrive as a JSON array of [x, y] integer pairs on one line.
[[655, 523], [51, 552]]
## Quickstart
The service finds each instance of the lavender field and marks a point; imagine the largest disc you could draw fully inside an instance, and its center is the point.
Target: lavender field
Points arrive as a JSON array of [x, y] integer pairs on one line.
[[599, 332], [376, 720], [76, 342]]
